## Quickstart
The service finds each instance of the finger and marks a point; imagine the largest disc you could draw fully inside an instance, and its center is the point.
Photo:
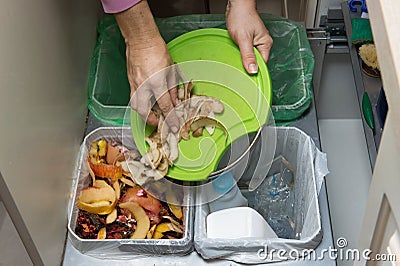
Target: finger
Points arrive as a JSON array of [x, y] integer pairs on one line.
[[248, 56], [164, 102], [142, 104], [133, 99], [152, 119], [173, 93], [132, 86], [179, 74], [265, 48], [180, 78], [173, 82]]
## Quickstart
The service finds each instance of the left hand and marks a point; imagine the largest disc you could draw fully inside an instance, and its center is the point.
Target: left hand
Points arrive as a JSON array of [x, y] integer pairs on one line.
[[247, 30]]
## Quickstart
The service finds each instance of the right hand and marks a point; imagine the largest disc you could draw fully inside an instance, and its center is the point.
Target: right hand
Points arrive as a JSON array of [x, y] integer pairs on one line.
[[142, 64], [147, 56]]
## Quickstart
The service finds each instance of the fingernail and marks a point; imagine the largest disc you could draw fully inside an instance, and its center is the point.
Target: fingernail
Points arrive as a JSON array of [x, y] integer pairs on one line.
[[174, 129], [253, 68]]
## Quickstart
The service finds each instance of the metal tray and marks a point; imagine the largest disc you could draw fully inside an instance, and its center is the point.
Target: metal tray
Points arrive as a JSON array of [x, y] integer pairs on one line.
[[117, 248]]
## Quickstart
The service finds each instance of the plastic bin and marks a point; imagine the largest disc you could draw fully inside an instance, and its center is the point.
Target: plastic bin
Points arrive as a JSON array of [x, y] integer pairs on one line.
[[299, 150], [291, 65], [124, 248]]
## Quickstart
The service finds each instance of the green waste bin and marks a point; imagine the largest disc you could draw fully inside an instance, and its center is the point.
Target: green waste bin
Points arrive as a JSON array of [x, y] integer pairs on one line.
[[291, 65]]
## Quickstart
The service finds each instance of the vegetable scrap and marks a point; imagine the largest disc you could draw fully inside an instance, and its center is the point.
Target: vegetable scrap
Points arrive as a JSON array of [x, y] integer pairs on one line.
[[195, 113], [114, 206]]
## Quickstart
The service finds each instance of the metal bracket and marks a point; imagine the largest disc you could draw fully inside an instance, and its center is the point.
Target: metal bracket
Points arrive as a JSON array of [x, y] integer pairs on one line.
[[329, 39], [318, 41]]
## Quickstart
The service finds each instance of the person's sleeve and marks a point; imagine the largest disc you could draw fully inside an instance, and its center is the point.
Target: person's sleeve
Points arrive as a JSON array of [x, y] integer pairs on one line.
[[116, 6]]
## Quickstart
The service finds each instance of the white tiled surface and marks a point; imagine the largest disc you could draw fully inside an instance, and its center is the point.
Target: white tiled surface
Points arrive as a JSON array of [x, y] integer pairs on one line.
[[12, 251]]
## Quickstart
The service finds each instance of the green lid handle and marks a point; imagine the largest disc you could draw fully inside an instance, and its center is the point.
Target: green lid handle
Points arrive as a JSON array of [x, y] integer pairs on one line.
[[367, 111]]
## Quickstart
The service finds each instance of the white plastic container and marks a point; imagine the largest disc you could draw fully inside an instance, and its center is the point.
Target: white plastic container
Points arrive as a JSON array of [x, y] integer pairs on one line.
[[238, 223]]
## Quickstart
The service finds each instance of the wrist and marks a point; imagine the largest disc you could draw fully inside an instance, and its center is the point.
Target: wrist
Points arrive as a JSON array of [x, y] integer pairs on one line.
[[248, 4], [138, 27], [145, 40]]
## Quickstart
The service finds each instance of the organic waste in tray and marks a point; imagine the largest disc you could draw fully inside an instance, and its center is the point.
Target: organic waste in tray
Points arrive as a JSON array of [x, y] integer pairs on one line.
[[114, 205]]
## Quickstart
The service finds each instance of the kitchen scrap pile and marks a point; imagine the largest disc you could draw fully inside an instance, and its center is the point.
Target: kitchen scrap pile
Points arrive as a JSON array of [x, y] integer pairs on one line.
[[114, 205]]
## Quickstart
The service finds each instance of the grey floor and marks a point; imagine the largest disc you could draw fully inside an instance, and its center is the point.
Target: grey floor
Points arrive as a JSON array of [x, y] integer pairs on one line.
[[342, 138], [12, 251]]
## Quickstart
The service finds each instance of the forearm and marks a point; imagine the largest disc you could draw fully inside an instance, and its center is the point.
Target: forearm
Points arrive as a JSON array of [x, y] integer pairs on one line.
[[116, 6], [138, 27]]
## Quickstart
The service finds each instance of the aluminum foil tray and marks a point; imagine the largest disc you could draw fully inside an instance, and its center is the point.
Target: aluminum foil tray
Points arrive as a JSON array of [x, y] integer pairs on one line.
[[123, 248]]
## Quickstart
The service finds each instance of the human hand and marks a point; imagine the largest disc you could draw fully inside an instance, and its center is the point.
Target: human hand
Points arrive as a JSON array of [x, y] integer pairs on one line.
[[152, 61], [247, 30], [148, 60]]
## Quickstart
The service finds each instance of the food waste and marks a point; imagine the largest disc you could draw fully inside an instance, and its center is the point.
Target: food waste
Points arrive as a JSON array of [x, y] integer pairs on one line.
[[195, 113], [114, 205]]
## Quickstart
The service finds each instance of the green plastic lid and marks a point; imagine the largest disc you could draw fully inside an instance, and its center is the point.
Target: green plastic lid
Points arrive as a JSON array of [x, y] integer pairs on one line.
[[212, 60]]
